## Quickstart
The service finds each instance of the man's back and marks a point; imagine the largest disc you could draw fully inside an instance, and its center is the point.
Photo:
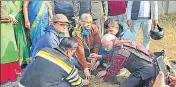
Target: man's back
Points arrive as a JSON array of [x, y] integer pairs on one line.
[[46, 70], [49, 39]]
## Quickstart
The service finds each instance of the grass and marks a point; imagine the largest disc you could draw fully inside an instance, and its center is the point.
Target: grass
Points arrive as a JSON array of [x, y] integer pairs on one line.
[[168, 22]]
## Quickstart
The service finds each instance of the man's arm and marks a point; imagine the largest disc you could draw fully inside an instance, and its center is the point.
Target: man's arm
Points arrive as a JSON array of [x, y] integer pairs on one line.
[[25, 12], [107, 57], [75, 80], [115, 66], [80, 53], [96, 40]]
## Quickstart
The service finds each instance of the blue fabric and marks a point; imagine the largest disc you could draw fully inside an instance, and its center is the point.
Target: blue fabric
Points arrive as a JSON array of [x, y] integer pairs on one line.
[[86, 32], [41, 21], [49, 39], [128, 35], [64, 83], [146, 27], [110, 51], [33, 10], [122, 27], [75, 62]]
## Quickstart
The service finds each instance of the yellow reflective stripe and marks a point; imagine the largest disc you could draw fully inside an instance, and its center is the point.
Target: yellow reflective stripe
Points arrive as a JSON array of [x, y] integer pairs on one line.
[[37, 19], [78, 82], [55, 60], [73, 70], [74, 79], [72, 75]]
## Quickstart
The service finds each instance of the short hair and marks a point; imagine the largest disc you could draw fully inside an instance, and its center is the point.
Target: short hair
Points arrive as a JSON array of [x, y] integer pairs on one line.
[[110, 23], [85, 16], [68, 43], [108, 37]]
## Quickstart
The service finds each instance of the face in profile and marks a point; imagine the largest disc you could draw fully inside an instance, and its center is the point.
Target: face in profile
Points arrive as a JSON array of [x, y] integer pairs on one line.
[[70, 52], [112, 30]]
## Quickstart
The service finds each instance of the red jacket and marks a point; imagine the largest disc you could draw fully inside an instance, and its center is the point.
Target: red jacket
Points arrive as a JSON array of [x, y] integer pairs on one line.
[[116, 8]]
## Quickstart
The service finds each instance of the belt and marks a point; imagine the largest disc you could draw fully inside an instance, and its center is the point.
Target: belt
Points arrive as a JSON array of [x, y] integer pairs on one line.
[[144, 17]]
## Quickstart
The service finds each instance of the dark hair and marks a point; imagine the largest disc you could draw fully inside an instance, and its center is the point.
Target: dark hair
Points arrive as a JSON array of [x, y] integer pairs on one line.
[[110, 23], [68, 43]]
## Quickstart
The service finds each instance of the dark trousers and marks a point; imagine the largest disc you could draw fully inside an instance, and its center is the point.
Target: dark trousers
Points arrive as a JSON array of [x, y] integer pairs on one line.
[[64, 84], [135, 80]]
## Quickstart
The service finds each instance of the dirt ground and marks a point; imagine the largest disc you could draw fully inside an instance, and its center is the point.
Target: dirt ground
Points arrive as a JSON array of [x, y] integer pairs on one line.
[[169, 42]]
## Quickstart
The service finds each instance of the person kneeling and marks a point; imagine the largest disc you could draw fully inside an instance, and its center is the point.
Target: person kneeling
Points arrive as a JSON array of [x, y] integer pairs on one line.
[[128, 54], [53, 67]]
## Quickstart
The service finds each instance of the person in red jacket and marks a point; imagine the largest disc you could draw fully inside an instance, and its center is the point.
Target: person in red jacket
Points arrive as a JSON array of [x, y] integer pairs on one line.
[[117, 10]]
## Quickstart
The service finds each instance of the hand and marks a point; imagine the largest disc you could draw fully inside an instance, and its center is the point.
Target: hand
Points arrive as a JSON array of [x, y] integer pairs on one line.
[[93, 61], [159, 82], [94, 66], [87, 73], [27, 25], [172, 79], [105, 18], [101, 80], [94, 55], [101, 73], [129, 22], [14, 21], [155, 22], [86, 82]]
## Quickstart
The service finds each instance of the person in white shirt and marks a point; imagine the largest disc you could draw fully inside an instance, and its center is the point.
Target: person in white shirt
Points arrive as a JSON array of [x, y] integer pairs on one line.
[[142, 13]]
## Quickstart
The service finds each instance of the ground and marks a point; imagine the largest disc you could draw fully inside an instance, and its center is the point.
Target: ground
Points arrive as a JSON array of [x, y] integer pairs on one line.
[[169, 42]]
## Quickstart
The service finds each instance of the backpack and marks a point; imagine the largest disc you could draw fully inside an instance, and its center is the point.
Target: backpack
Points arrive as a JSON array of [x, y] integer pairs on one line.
[[126, 44]]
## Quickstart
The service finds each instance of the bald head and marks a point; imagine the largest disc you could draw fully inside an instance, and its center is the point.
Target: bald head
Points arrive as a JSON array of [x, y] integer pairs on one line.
[[107, 41], [108, 37]]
